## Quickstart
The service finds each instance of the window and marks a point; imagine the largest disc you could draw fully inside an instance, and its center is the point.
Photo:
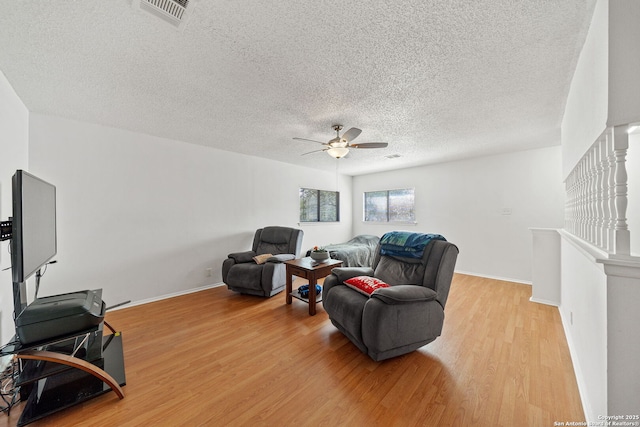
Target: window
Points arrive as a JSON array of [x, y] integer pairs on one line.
[[390, 206], [319, 205]]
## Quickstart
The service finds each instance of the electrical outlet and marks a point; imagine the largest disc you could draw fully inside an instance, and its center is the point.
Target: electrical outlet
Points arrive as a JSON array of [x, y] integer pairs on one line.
[[208, 272], [506, 211], [571, 317]]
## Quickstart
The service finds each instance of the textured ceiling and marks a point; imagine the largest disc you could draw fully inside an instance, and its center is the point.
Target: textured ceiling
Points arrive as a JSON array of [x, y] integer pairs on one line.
[[438, 80]]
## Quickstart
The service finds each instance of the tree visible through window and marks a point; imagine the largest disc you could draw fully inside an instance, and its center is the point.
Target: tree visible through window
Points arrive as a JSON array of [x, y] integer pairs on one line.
[[319, 205], [390, 206]]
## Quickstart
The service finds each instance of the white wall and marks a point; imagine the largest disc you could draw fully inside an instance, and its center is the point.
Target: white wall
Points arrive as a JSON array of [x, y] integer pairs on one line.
[[624, 97], [14, 144], [585, 114], [623, 346], [142, 217], [584, 316], [599, 308], [464, 201], [624, 62], [583, 282]]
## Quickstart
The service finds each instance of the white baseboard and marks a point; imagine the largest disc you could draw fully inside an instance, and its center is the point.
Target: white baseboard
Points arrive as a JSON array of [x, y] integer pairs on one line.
[[215, 285], [171, 295], [504, 279], [543, 301]]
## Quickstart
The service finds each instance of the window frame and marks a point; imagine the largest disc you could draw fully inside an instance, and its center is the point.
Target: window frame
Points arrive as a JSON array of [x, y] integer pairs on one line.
[[319, 206], [388, 205]]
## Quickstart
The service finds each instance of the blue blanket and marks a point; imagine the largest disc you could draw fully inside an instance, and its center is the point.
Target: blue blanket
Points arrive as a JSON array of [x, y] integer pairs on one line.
[[406, 244]]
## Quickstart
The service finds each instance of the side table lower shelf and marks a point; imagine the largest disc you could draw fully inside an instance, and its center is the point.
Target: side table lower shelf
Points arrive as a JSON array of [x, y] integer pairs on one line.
[[295, 294], [72, 386]]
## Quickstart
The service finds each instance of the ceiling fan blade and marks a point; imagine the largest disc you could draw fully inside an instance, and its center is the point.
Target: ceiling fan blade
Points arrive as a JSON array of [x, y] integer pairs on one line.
[[369, 145], [351, 134], [314, 151], [310, 140]]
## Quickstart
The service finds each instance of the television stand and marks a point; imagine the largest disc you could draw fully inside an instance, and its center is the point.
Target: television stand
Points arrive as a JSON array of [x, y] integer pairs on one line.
[[74, 362], [58, 374]]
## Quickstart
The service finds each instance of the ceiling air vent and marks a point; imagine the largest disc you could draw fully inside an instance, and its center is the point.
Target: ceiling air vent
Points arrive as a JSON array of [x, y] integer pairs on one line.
[[175, 12]]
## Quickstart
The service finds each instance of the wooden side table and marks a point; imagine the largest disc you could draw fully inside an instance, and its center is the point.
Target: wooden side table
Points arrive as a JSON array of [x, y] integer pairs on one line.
[[312, 271]]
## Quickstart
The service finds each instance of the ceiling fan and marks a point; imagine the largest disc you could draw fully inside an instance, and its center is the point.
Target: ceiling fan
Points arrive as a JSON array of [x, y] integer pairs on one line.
[[339, 146]]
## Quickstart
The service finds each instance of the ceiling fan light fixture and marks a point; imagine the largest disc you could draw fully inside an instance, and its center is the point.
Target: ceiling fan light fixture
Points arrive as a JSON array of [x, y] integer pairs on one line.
[[338, 152], [339, 146]]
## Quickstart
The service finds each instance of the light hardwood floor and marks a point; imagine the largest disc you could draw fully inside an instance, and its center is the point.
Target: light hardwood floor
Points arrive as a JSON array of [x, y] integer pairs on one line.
[[216, 358]]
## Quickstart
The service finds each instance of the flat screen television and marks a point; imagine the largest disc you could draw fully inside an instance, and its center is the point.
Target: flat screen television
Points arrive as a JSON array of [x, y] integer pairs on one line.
[[33, 241]]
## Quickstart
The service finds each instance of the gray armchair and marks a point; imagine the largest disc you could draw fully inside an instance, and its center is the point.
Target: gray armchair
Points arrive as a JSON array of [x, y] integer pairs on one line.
[[401, 318], [242, 274]]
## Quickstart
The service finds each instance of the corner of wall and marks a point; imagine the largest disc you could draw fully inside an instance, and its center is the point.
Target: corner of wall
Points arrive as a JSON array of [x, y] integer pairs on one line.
[[14, 144]]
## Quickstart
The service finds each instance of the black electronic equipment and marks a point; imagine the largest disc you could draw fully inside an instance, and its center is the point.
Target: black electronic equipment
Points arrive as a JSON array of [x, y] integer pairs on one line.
[[60, 315], [33, 231], [33, 241]]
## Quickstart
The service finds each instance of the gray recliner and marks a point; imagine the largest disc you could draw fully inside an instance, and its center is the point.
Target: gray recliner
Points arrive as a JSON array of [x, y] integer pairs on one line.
[[242, 274], [401, 318]]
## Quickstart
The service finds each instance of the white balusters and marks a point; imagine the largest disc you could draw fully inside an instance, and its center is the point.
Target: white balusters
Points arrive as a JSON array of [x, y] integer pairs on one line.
[[593, 207], [612, 194], [600, 156], [596, 194], [620, 146]]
